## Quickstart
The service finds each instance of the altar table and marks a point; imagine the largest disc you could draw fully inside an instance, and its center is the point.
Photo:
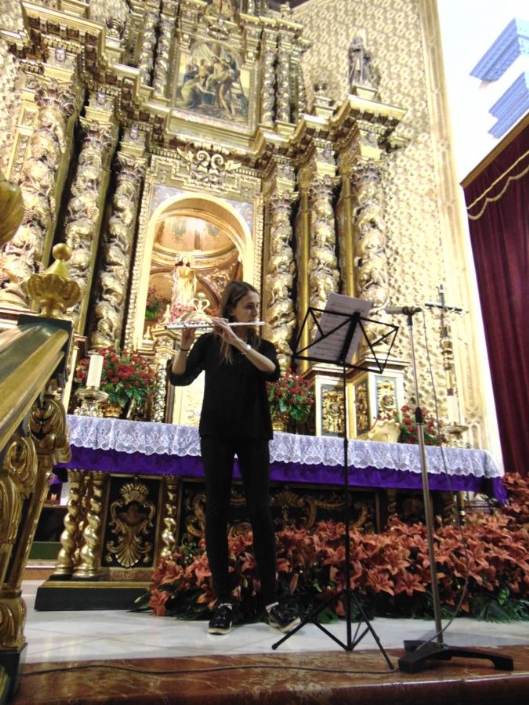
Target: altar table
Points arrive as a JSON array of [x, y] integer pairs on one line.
[[118, 446], [136, 491]]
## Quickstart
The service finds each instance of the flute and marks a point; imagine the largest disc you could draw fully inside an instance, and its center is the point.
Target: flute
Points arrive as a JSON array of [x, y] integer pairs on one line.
[[179, 325]]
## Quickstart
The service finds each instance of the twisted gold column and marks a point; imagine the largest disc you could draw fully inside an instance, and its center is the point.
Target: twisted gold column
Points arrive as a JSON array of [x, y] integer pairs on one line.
[[148, 49], [170, 516], [163, 49], [279, 279], [283, 77], [323, 272], [269, 50], [84, 211], [113, 278], [90, 561], [70, 536], [369, 229]]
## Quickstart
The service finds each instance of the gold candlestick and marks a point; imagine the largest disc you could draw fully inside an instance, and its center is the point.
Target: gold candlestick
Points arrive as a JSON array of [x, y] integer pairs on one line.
[[455, 435], [91, 399]]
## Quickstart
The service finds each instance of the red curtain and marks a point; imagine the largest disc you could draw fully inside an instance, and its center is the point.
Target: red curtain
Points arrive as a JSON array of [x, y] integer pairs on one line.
[[498, 209]]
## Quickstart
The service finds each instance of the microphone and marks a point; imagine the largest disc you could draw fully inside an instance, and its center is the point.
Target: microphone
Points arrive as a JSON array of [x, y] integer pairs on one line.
[[406, 310]]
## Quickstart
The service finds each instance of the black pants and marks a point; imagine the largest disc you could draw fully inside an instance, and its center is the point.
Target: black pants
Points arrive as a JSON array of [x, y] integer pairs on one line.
[[254, 461]]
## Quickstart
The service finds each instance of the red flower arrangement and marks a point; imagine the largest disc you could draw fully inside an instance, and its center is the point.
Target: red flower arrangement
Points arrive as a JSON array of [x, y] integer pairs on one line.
[[127, 376], [291, 395], [389, 571]]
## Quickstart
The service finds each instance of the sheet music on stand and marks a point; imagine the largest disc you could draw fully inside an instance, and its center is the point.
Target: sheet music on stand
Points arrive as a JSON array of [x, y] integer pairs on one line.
[[340, 328], [332, 329]]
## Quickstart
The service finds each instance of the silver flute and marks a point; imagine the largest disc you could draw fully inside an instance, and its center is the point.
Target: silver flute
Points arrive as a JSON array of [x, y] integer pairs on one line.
[[180, 325]]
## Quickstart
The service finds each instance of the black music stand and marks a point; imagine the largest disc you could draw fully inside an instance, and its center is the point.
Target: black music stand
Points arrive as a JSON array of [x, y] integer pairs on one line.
[[339, 331]]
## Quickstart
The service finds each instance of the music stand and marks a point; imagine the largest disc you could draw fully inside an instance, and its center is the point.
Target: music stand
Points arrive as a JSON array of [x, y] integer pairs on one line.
[[339, 331], [419, 653]]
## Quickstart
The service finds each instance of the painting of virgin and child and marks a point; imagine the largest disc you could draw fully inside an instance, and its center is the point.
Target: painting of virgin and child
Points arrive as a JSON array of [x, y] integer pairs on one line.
[[212, 83]]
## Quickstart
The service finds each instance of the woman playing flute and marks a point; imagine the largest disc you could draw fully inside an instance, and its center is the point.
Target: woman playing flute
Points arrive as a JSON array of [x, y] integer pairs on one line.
[[235, 420]]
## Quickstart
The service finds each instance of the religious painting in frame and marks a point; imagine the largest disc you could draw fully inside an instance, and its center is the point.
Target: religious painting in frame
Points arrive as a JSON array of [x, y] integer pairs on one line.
[[212, 84]]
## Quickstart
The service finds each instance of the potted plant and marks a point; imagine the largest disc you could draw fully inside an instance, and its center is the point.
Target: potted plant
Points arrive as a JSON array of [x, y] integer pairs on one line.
[[127, 378], [408, 428], [392, 426], [291, 400]]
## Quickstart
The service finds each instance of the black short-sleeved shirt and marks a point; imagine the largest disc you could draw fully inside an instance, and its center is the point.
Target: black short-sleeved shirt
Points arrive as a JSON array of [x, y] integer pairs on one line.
[[235, 403]]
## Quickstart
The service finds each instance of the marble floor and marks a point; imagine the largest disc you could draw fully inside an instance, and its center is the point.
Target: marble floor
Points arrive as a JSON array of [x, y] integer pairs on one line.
[[134, 658], [66, 636]]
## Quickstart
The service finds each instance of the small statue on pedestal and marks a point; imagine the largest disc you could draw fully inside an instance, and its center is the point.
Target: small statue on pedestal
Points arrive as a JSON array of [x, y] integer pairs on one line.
[[362, 74]]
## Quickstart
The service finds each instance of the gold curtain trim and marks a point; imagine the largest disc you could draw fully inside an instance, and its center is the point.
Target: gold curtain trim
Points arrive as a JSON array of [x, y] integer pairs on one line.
[[497, 198]]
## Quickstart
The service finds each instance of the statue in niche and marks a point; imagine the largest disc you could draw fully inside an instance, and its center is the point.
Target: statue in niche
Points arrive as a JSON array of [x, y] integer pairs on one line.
[[361, 71], [184, 282]]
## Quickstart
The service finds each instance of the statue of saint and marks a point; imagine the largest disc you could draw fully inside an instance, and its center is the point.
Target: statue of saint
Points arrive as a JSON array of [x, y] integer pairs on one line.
[[360, 73], [184, 282]]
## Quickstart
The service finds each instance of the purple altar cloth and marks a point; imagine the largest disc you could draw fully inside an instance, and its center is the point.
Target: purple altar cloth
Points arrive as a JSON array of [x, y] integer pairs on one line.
[[191, 466]]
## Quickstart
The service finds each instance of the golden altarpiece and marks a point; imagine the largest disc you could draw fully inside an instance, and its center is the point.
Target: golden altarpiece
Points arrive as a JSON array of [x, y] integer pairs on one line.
[[175, 145]]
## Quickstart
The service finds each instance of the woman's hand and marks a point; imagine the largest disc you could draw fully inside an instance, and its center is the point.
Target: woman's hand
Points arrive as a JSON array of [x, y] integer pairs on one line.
[[222, 328], [187, 338]]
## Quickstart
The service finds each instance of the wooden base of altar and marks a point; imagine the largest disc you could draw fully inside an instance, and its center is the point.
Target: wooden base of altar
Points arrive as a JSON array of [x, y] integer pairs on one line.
[[65, 596], [118, 527]]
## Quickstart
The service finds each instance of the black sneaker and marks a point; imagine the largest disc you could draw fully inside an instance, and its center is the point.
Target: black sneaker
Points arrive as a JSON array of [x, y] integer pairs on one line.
[[220, 622], [283, 617]]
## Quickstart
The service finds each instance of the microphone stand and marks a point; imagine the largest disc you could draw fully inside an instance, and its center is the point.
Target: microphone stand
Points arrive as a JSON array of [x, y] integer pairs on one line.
[[419, 652]]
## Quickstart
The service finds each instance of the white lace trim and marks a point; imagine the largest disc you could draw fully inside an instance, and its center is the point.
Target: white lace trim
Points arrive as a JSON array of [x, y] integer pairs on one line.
[[167, 439]]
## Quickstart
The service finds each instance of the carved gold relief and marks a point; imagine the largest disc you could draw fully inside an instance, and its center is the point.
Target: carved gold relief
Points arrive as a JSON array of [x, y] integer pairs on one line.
[[362, 418], [131, 518], [37, 183], [333, 411], [299, 507], [17, 482]]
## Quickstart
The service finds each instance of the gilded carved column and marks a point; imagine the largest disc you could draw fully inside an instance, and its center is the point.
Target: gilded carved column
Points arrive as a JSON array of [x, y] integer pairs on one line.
[[70, 537], [323, 274], [369, 232], [112, 13], [113, 278], [302, 251], [84, 211], [159, 402], [148, 49], [283, 77], [89, 557], [268, 80], [297, 79], [38, 177], [279, 278], [170, 517], [163, 48]]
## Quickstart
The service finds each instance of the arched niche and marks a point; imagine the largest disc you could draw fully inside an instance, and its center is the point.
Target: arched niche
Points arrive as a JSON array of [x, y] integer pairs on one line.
[[210, 234]]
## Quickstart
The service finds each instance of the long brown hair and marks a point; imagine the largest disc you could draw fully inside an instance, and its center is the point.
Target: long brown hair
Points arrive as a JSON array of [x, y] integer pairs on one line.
[[231, 296]]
